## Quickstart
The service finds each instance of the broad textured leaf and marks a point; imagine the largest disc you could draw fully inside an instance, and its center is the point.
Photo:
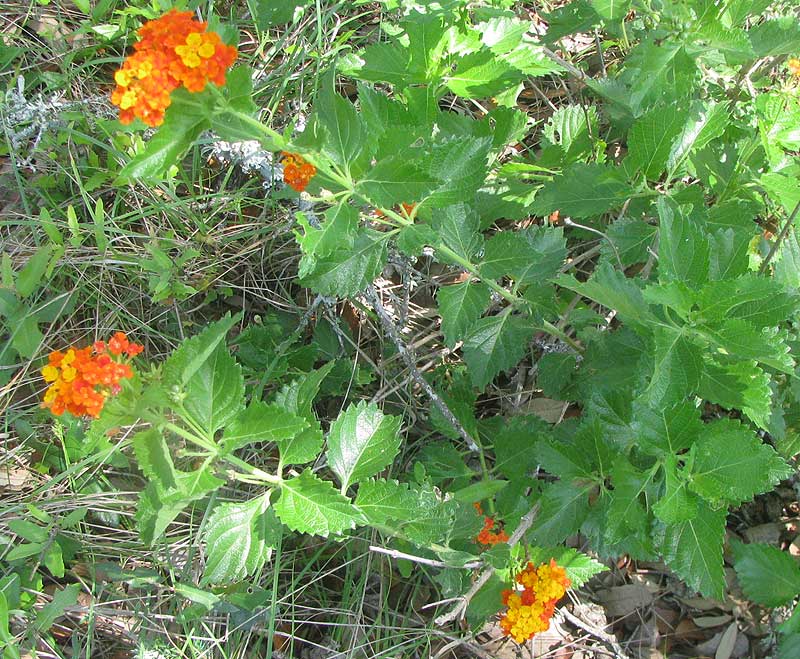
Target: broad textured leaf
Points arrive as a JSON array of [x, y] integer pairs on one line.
[[738, 386], [631, 237], [346, 137], [583, 190], [665, 431], [215, 395], [397, 179], [683, 250], [564, 507], [310, 505], [677, 366], [338, 231], [626, 514], [347, 272], [460, 163], [611, 10], [495, 344], [239, 538], [185, 119], [693, 549], [779, 36], [568, 134], [768, 576], [515, 446], [739, 338], [458, 227], [787, 266], [362, 441], [556, 371], [154, 458], [575, 16], [613, 290], [759, 300], [732, 464], [29, 278], [705, 123], [460, 306], [528, 257], [650, 140], [677, 504], [260, 422], [385, 500], [482, 74], [580, 567], [184, 362]]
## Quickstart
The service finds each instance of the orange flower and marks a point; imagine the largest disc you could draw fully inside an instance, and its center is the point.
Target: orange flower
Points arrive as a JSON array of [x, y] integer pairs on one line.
[[794, 66], [82, 378], [488, 536], [530, 610], [174, 50], [296, 171]]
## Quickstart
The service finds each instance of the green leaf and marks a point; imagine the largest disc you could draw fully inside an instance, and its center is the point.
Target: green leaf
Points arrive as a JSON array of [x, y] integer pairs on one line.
[[556, 370], [396, 179], [568, 134], [528, 257], [261, 422], [460, 163], [632, 238], [575, 16], [347, 272], [583, 190], [185, 119], [732, 464], [768, 576], [362, 441], [337, 232], [612, 289], [706, 122], [30, 277], [482, 74], [738, 386], [677, 366], [49, 613], [787, 265], [564, 507], [184, 362], [611, 10], [677, 504], [26, 336], [215, 395], [779, 36], [683, 250], [460, 306], [739, 338], [346, 138], [495, 344], [759, 300], [650, 140], [385, 500], [458, 227], [154, 458], [412, 239], [239, 538], [662, 431], [53, 560], [479, 491], [580, 567], [310, 505], [693, 549]]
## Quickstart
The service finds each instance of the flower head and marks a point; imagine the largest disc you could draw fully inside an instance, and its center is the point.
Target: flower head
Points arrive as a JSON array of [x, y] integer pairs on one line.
[[794, 66], [82, 378], [296, 171], [174, 50], [529, 610]]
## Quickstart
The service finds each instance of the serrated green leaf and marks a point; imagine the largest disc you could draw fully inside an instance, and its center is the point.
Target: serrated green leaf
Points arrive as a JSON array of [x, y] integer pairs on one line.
[[569, 134], [26, 336], [346, 138], [650, 140], [564, 507], [706, 122], [239, 538], [556, 370], [663, 431], [458, 227], [479, 491], [50, 612], [740, 339], [347, 272], [184, 362], [414, 238], [460, 164], [575, 16], [29, 278], [460, 307], [397, 179], [185, 118], [693, 549], [482, 74], [442, 461], [385, 500], [495, 344], [738, 386], [759, 300], [337, 232], [260, 422], [583, 190], [215, 394], [677, 366], [779, 36], [528, 257], [626, 514], [310, 505], [611, 10], [632, 237], [732, 464], [580, 567], [613, 290], [362, 441], [683, 250], [768, 576], [154, 458], [677, 504]]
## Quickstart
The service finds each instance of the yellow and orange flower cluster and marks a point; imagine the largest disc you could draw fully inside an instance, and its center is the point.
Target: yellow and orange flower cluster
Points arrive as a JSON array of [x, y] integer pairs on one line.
[[794, 66], [82, 378], [489, 535], [529, 610], [174, 50], [297, 172]]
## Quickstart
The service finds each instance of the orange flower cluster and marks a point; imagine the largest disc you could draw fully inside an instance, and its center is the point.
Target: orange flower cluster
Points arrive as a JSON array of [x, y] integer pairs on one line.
[[794, 66], [297, 172], [82, 378], [488, 535], [530, 610], [174, 50]]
